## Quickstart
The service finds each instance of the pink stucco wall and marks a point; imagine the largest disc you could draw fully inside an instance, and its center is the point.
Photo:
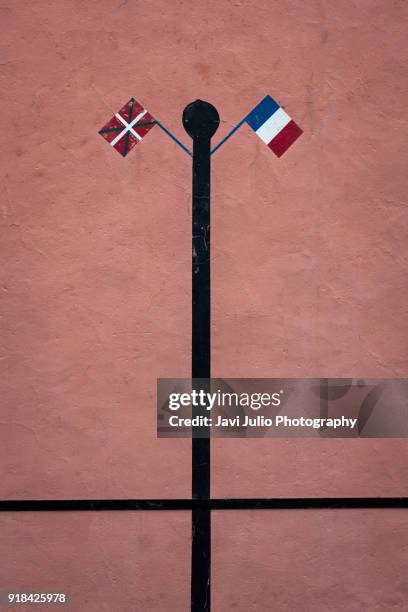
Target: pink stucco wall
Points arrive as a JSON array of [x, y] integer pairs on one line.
[[104, 562], [309, 279]]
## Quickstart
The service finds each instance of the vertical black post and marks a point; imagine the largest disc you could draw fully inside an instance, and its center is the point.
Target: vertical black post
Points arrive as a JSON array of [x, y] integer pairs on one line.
[[201, 120]]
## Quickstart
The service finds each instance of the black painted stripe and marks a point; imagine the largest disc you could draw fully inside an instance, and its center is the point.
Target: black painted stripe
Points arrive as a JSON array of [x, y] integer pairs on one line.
[[203, 505], [310, 503], [201, 121]]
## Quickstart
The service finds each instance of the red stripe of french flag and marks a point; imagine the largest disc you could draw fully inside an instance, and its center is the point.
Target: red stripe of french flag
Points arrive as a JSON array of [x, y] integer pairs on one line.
[[285, 138]]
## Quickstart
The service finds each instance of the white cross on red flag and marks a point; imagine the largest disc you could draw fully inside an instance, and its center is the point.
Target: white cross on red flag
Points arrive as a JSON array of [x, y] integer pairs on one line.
[[127, 127]]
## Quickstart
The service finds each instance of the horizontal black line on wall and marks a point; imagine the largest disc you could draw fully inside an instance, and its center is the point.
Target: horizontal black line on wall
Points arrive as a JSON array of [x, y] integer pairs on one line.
[[305, 503]]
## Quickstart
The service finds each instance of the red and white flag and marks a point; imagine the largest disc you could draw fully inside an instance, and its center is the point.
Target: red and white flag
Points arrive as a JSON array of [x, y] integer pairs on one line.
[[127, 127]]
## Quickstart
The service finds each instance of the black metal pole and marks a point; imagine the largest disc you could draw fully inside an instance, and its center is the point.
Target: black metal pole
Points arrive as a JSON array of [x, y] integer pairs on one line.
[[201, 120]]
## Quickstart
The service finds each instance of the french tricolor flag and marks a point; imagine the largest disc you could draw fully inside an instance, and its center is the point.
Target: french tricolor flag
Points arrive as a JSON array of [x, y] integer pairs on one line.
[[273, 126]]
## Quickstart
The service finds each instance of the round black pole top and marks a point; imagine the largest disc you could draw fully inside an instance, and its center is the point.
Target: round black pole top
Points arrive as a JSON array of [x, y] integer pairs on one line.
[[200, 119]]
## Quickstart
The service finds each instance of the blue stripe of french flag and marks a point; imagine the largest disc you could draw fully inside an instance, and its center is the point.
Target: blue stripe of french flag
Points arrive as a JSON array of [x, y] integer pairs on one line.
[[273, 125]]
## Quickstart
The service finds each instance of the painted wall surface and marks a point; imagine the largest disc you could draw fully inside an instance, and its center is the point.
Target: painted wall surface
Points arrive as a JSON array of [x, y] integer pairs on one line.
[[308, 278], [103, 561], [310, 560]]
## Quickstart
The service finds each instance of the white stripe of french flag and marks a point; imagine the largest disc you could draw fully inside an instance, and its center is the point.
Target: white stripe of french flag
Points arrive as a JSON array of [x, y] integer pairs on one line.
[[273, 125]]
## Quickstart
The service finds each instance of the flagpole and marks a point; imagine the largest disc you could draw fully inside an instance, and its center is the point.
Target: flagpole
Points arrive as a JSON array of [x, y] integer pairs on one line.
[[234, 129], [166, 131], [201, 120]]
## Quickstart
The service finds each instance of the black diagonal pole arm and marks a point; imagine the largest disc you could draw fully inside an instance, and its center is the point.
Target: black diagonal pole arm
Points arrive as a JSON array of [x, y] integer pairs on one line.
[[201, 120]]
